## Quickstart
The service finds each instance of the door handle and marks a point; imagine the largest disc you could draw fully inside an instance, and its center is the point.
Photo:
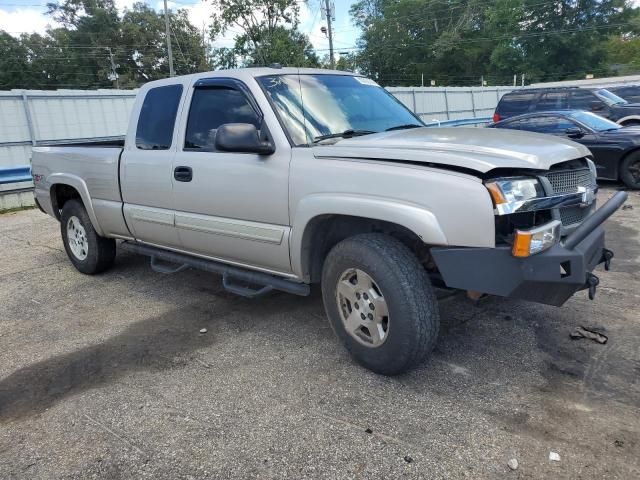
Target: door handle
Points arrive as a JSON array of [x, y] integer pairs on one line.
[[183, 174]]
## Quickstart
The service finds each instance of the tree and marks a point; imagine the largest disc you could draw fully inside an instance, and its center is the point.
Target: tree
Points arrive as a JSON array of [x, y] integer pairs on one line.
[[15, 71], [457, 41], [346, 61], [267, 33], [143, 55], [79, 53], [280, 45]]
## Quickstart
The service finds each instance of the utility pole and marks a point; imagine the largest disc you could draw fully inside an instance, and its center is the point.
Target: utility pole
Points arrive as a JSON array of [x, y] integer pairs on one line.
[[204, 48], [515, 79], [114, 77], [523, 79], [168, 33], [329, 9]]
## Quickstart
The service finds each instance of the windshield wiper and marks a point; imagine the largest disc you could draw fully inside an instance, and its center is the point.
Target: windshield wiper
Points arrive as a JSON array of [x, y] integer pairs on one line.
[[404, 127], [346, 134]]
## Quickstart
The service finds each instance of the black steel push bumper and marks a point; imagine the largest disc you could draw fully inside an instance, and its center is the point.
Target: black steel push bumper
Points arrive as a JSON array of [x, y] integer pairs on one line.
[[550, 277]]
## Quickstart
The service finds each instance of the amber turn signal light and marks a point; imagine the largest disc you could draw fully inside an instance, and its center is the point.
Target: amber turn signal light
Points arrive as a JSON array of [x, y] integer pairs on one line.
[[535, 240], [521, 244]]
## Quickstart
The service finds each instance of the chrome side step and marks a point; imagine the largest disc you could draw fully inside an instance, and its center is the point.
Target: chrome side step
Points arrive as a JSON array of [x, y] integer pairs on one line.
[[247, 283]]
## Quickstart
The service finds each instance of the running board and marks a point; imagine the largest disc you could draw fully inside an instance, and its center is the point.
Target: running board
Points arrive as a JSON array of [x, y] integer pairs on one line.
[[231, 275]]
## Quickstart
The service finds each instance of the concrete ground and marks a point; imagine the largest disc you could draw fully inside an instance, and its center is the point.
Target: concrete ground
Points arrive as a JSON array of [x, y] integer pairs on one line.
[[109, 377]]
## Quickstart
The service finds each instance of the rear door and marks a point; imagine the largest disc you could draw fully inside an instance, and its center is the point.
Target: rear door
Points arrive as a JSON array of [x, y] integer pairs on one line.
[[552, 100], [234, 207], [146, 175]]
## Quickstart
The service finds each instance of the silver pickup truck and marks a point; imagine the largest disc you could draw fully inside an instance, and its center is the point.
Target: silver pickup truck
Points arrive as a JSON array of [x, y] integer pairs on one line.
[[279, 178]]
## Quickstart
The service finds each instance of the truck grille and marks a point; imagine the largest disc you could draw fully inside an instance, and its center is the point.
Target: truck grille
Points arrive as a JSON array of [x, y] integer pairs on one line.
[[565, 179], [568, 181]]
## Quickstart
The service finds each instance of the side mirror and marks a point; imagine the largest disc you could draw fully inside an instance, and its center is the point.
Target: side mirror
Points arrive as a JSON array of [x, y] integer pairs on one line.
[[596, 106], [242, 138], [574, 132]]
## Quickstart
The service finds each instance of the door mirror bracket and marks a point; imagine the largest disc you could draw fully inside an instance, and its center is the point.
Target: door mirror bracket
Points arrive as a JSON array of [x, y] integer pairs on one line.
[[242, 138], [574, 132]]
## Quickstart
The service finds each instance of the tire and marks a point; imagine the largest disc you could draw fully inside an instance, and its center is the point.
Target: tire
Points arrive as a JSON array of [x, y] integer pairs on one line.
[[89, 252], [397, 282], [630, 170]]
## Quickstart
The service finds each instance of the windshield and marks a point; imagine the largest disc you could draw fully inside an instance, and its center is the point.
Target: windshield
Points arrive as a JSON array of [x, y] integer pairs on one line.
[[609, 98], [594, 122], [313, 106]]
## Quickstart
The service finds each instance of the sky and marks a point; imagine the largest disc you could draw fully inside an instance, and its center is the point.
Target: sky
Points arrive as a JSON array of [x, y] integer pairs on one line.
[[18, 16]]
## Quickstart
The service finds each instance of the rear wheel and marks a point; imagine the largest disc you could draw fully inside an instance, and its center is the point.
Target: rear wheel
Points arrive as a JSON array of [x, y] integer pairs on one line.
[[380, 303], [630, 170], [89, 252]]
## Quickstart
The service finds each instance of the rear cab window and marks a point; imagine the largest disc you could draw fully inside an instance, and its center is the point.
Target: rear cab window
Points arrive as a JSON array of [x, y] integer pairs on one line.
[[158, 117]]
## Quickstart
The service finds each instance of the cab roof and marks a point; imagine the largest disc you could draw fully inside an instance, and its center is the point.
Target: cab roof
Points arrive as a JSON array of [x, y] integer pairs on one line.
[[245, 73]]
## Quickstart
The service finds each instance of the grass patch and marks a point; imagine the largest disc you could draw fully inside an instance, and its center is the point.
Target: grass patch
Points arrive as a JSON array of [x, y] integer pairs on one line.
[[17, 209]]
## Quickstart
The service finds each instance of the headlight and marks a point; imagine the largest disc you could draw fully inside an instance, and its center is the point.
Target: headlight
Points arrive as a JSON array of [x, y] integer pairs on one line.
[[510, 194], [512, 190]]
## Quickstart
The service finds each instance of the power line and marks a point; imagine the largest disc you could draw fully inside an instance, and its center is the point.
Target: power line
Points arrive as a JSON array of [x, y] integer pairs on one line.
[[497, 37], [428, 16]]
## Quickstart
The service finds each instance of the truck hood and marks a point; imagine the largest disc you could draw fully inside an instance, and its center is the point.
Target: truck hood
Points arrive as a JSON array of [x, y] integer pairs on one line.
[[479, 149]]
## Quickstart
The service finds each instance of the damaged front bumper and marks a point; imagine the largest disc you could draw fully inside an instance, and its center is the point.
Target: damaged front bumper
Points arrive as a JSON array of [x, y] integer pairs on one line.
[[549, 277]]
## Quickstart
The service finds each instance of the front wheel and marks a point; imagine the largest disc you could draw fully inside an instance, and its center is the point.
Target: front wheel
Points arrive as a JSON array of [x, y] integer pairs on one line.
[[630, 170], [380, 303], [89, 252]]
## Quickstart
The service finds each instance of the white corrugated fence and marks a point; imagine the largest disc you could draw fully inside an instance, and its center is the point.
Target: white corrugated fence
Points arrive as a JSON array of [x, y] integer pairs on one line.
[[31, 116], [450, 103]]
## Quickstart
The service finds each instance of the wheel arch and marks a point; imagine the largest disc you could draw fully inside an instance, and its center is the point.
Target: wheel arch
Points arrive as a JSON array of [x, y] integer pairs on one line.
[[322, 221], [65, 187], [628, 119], [627, 154]]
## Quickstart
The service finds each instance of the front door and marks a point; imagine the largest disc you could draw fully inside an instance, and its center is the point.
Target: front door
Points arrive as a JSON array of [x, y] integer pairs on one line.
[[230, 206]]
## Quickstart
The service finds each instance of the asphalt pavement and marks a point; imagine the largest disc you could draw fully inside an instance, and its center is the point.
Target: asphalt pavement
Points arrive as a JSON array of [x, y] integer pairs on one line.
[[108, 376]]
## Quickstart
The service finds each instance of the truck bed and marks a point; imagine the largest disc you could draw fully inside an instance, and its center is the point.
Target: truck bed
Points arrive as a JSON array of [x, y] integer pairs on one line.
[[90, 167]]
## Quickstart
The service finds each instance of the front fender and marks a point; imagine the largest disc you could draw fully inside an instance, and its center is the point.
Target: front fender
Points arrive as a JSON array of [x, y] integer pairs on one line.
[[419, 220], [81, 187]]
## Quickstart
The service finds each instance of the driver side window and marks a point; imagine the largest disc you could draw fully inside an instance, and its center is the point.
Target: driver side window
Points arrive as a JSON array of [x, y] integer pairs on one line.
[[212, 107]]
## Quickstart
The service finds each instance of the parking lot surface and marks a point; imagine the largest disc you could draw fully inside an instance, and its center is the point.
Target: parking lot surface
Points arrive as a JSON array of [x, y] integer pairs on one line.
[[108, 376]]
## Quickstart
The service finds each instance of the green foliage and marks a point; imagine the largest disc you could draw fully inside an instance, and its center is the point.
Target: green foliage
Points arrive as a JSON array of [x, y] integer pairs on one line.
[[457, 41], [453, 42], [267, 33], [78, 54]]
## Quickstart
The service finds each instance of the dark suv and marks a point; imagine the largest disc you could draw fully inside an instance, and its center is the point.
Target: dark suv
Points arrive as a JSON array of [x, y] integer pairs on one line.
[[631, 93], [596, 100]]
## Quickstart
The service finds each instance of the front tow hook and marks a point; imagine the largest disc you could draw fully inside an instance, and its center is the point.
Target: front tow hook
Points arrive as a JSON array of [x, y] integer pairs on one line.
[[607, 255], [592, 283]]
